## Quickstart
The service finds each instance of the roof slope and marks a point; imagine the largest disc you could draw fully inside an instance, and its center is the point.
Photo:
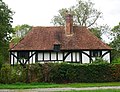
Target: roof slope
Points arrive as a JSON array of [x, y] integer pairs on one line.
[[44, 38]]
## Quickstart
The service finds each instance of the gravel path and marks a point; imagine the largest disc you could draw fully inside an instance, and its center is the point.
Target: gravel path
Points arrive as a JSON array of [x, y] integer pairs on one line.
[[57, 89]]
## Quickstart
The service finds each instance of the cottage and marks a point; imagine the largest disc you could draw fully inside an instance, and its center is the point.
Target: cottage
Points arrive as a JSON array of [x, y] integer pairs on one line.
[[59, 44]]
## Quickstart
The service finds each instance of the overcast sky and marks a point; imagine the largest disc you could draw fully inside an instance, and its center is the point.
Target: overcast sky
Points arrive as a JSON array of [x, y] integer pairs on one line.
[[40, 12]]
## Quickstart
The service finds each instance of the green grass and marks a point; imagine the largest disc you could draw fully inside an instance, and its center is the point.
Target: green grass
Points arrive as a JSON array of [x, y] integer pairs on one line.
[[106, 90], [51, 85]]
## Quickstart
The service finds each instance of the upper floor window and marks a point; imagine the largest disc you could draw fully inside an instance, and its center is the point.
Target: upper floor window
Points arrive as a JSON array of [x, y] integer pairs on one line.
[[56, 47]]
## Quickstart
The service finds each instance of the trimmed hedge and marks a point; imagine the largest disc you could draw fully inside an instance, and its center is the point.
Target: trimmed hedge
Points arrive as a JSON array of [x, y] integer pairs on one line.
[[60, 73]]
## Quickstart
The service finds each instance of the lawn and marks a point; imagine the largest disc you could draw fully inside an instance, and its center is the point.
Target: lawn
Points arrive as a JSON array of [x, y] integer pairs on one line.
[[51, 85], [107, 90]]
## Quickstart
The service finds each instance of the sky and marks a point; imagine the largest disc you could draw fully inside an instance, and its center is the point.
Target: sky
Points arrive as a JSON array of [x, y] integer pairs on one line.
[[40, 12]]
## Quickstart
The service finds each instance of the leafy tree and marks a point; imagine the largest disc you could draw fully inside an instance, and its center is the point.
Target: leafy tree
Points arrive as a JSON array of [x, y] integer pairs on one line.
[[115, 44], [83, 14], [99, 31], [20, 32], [96, 31], [5, 30]]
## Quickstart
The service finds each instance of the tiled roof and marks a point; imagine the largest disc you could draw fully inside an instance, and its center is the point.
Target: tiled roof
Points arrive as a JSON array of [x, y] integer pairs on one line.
[[44, 38]]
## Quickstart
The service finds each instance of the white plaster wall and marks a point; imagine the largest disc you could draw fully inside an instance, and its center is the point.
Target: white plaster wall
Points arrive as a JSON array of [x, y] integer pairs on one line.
[[53, 56], [60, 56], [32, 59], [73, 56], [30, 53], [76, 54], [106, 57], [93, 58], [11, 59], [68, 57], [85, 58], [46, 56], [15, 60], [78, 57], [40, 56]]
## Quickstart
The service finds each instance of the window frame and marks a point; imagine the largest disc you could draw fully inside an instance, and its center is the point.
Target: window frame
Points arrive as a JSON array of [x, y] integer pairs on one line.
[[96, 53], [56, 47], [23, 55]]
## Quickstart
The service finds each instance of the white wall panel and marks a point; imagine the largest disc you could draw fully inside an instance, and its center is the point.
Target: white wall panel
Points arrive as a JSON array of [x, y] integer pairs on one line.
[[53, 56], [11, 59], [60, 56], [68, 58], [106, 57], [85, 58], [78, 56], [46, 56], [40, 56], [15, 59]]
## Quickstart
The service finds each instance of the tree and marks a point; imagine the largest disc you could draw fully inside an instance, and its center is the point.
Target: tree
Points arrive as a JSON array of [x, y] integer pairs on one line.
[[115, 44], [20, 32], [83, 14], [97, 32], [5, 29]]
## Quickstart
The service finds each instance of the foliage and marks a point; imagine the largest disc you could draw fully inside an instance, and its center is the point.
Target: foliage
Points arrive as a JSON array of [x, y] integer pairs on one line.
[[99, 60], [21, 30], [116, 60], [115, 54], [83, 12], [96, 32], [101, 30], [115, 44], [15, 40], [60, 73], [5, 74], [5, 29], [1, 60]]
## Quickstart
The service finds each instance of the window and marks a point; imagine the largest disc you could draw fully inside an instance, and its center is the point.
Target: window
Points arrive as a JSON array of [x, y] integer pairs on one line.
[[56, 47], [23, 55], [96, 53]]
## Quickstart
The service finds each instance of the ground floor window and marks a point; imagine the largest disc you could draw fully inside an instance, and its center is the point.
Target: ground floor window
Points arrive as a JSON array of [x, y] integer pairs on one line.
[[23, 55], [96, 53], [59, 56]]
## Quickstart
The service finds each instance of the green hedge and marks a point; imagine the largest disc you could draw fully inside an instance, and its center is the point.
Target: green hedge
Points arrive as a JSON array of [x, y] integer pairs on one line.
[[60, 73]]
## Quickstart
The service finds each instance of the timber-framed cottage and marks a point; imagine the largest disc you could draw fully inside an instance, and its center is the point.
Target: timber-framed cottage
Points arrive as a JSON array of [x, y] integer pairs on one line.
[[59, 44]]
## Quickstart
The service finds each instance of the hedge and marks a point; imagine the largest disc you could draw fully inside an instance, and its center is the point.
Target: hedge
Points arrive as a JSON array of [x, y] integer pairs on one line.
[[60, 73]]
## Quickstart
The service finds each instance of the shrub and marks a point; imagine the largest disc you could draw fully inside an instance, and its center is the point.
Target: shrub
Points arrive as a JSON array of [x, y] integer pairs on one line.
[[65, 73], [35, 71], [99, 60], [116, 61], [5, 74], [60, 73], [1, 60]]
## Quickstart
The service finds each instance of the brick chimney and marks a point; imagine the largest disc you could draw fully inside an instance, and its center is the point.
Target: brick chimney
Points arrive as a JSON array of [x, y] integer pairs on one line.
[[69, 24]]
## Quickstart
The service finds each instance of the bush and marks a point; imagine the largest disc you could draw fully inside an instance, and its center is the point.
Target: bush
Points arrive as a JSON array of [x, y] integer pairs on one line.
[[99, 60], [116, 61], [60, 73], [5, 74], [1, 60], [65, 73]]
